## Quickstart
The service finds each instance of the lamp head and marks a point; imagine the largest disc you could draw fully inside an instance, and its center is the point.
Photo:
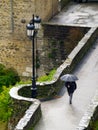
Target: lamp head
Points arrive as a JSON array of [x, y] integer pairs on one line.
[[30, 30]]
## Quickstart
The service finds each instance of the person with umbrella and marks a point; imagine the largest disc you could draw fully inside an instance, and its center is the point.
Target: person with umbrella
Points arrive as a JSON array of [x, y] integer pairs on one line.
[[71, 87], [70, 84]]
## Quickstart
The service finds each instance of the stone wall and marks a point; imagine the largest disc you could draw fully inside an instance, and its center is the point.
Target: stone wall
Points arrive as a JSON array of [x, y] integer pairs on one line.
[[63, 32], [48, 89], [46, 8], [55, 85], [58, 44], [15, 47], [27, 111], [90, 116], [64, 2]]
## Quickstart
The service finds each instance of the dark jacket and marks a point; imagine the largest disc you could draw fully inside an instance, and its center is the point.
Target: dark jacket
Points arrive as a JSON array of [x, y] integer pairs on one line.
[[71, 87]]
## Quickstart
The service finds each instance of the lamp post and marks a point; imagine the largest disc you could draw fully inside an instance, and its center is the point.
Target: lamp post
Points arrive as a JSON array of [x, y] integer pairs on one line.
[[32, 29]]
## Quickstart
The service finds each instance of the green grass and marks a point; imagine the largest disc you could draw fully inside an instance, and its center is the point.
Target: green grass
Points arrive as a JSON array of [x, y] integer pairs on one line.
[[95, 126], [24, 82], [31, 128], [47, 77], [43, 78]]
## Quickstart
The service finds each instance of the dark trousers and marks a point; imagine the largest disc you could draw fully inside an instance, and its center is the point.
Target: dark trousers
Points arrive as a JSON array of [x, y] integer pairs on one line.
[[70, 98]]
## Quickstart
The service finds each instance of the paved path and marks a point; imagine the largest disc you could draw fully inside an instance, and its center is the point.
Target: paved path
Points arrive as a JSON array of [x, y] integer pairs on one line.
[[85, 14], [57, 114]]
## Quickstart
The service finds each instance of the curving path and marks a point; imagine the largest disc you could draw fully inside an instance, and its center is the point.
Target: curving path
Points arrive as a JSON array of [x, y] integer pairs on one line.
[[57, 114]]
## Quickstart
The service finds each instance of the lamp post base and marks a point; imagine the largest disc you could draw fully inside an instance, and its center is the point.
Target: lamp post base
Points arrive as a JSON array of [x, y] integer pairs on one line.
[[34, 92]]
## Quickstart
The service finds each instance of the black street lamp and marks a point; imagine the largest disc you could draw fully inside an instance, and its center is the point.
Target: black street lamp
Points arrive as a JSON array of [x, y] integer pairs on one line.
[[32, 29]]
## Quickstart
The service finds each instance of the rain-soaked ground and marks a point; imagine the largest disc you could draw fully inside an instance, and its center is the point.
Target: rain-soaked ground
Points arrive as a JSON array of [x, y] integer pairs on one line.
[[58, 114], [75, 14]]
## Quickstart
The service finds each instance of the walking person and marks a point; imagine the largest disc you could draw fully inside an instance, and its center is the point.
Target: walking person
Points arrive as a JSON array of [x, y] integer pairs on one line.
[[70, 84], [71, 87]]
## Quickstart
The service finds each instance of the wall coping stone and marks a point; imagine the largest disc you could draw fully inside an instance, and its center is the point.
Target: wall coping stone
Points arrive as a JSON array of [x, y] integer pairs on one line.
[[26, 118], [84, 122], [14, 94], [24, 121]]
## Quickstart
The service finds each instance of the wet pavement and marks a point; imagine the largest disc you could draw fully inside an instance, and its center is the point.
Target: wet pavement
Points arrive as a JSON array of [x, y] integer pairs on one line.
[[58, 114], [75, 14]]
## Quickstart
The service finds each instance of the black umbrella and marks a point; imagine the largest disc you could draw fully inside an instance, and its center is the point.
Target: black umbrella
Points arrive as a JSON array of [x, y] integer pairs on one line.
[[69, 77]]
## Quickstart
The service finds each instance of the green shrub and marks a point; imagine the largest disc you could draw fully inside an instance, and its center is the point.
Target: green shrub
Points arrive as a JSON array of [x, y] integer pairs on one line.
[[47, 77], [95, 126], [2, 69], [8, 76], [5, 104]]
